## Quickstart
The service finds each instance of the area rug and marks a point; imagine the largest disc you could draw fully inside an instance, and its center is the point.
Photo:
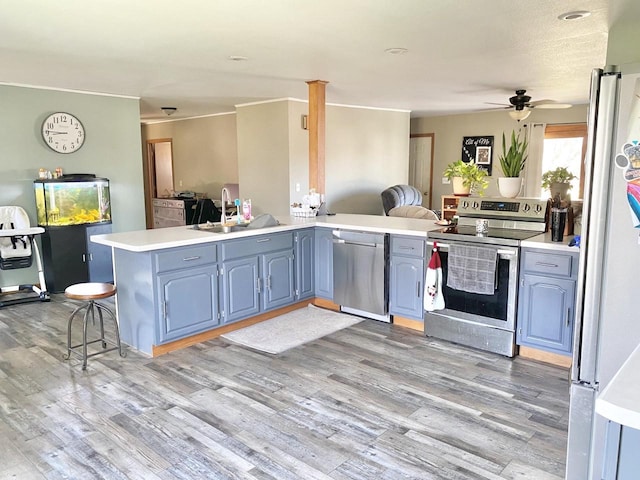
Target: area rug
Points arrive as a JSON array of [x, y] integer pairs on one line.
[[291, 329]]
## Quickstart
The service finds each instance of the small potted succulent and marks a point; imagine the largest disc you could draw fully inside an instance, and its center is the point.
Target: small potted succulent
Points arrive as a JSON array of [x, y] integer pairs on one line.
[[466, 178], [557, 181]]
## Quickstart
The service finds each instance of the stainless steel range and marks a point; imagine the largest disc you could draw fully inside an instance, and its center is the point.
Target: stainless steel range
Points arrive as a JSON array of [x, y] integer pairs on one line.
[[485, 320]]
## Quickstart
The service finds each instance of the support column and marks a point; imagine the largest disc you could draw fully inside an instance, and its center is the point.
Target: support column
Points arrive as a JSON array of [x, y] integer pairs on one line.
[[316, 124]]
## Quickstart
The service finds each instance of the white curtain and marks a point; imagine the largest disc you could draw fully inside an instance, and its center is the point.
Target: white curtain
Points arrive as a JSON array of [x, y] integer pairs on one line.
[[534, 133]]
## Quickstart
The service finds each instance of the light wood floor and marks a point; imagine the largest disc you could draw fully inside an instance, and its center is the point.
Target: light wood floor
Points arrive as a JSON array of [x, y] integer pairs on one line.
[[373, 401]]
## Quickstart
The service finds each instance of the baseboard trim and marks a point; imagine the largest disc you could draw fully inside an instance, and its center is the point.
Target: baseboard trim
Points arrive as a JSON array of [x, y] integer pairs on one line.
[[408, 323], [324, 303], [547, 357]]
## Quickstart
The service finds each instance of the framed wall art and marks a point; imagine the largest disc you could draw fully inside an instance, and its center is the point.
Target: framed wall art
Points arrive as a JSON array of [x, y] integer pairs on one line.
[[478, 150]]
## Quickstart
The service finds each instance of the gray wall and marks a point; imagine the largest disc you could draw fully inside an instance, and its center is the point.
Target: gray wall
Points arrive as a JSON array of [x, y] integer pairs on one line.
[[205, 155], [367, 150], [112, 150], [263, 156], [449, 131]]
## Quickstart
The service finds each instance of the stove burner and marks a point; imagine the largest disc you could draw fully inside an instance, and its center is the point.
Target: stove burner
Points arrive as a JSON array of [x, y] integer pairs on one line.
[[467, 233]]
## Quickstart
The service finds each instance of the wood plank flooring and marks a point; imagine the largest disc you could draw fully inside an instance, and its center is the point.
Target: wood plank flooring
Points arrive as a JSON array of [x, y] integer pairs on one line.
[[373, 401]]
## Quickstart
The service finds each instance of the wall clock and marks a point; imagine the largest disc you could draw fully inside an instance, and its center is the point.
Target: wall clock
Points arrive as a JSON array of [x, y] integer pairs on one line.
[[63, 132]]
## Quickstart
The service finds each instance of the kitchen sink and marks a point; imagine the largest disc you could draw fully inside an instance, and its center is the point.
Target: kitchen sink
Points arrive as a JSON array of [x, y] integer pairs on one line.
[[217, 228], [220, 228]]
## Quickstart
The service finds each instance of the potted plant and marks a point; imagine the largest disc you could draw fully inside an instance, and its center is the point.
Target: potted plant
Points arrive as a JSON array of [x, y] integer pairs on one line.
[[557, 181], [512, 162], [466, 178]]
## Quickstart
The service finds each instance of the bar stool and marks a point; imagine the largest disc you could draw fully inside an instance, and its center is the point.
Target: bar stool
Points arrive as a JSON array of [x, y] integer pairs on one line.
[[91, 292]]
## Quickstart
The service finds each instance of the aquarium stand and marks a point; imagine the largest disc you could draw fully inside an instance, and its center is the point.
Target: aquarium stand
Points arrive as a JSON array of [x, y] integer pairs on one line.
[[71, 257]]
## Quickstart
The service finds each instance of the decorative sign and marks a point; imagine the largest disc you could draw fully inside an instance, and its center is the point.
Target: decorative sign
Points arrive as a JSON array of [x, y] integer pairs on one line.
[[629, 158], [478, 150]]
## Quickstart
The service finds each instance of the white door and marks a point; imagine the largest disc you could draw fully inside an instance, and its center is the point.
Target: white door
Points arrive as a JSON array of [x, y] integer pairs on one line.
[[421, 164]]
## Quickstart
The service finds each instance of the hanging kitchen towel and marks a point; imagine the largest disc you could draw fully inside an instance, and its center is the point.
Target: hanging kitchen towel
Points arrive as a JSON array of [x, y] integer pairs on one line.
[[472, 269], [433, 298]]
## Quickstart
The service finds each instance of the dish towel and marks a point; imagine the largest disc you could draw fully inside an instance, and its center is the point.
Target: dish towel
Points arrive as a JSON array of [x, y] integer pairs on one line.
[[472, 269], [433, 298]]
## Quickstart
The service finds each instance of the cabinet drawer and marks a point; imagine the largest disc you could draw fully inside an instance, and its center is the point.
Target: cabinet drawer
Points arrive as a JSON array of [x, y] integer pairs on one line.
[[256, 245], [413, 247], [186, 257], [548, 263], [162, 202]]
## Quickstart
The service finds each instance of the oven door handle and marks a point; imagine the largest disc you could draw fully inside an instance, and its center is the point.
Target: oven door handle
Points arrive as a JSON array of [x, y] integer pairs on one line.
[[502, 252]]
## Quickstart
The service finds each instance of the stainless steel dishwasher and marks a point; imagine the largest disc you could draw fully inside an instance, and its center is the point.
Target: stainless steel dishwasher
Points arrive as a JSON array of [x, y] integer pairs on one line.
[[359, 273]]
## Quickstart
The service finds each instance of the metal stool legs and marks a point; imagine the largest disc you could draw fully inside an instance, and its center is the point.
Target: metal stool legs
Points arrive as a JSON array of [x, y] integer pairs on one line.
[[90, 307]]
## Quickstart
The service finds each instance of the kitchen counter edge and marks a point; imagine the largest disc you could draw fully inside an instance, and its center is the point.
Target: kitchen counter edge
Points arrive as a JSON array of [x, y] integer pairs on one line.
[[162, 238], [544, 242], [620, 399]]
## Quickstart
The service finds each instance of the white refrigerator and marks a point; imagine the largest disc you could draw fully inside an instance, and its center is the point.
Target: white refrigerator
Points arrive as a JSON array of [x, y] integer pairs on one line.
[[607, 325]]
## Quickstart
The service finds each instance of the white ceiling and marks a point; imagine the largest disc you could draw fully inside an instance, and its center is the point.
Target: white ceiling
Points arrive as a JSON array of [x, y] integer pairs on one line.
[[461, 54]]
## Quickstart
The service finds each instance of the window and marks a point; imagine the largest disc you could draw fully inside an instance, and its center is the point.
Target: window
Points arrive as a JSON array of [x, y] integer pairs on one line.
[[566, 146]]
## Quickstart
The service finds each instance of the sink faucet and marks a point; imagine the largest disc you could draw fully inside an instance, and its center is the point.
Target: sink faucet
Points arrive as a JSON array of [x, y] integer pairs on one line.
[[223, 217]]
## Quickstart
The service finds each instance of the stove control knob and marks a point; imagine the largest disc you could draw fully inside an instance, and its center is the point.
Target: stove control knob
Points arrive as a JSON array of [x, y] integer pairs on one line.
[[538, 208], [526, 207], [475, 205], [465, 204]]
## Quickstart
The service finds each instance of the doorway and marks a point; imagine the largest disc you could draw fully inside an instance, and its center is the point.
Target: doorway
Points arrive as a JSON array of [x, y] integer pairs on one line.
[[421, 147], [159, 173]]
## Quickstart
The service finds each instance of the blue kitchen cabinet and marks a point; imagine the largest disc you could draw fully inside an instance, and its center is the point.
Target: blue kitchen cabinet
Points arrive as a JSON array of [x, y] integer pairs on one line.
[[186, 282], [278, 280], [241, 289], [188, 301], [324, 263], [257, 275], [304, 242], [406, 277], [546, 300]]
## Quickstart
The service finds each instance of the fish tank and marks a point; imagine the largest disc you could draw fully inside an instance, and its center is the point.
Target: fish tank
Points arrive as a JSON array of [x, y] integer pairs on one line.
[[75, 199]]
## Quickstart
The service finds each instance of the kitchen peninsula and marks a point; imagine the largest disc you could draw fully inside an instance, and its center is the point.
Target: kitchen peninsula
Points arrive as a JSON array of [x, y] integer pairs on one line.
[[178, 286]]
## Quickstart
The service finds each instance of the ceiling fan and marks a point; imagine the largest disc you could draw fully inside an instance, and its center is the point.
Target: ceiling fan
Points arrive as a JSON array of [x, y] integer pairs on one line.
[[521, 105]]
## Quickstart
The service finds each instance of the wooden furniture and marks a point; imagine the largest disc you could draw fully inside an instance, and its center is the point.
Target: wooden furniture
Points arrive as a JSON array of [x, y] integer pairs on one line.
[[90, 292], [449, 206], [546, 300], [172, 212]]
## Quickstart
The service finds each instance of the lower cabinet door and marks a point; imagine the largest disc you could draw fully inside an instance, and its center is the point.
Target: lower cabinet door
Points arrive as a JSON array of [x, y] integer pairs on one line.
[[546, 313], [100, 260], [324, 263], [188, 302], [277, 276], [406, 287], [241, 289], [304, 264]]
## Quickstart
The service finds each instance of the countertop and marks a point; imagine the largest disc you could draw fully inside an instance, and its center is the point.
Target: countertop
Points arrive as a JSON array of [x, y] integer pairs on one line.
[[544, 241], [620, 399], [160, 238]]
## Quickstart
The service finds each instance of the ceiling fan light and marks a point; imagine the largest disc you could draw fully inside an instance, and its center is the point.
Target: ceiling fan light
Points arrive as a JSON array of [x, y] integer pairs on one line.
[[519, 114]]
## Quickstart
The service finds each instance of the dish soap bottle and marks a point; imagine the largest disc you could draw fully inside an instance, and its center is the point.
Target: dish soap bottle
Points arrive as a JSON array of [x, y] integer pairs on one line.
[[236, 203], [246, 210]]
